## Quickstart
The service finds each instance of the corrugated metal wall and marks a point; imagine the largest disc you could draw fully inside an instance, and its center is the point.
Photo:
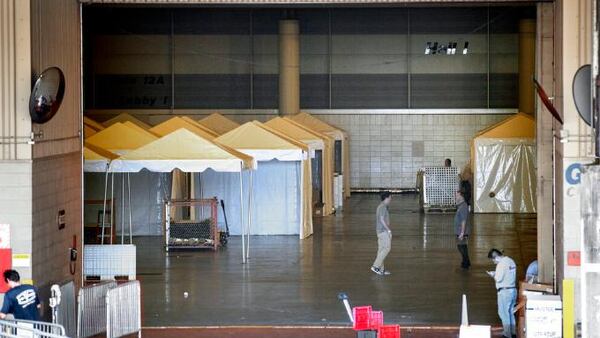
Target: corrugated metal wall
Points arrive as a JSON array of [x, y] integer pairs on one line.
[[15, 78], [368, 58]]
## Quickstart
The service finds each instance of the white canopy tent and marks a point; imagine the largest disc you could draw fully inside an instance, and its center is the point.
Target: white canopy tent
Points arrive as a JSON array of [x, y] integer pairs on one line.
[[121, 138], [188, 152], [278, 195]]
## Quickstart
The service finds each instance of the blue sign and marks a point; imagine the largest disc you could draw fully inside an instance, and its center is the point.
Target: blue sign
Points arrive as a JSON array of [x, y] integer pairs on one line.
[[573, 174]]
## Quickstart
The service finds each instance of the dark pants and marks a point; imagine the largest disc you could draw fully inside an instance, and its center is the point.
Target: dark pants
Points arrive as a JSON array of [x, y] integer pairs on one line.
[[464, 252]]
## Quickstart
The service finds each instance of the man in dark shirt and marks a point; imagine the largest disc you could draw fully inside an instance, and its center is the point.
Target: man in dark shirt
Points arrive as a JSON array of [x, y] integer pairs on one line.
[[462, 228], [21, 300]]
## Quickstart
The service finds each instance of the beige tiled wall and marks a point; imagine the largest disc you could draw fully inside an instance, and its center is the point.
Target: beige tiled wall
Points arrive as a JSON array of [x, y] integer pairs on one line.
[[381, 146]]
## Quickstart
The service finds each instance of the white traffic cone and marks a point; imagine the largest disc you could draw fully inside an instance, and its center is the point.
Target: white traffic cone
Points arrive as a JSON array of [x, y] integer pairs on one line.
[[465, 314], [471, 331]]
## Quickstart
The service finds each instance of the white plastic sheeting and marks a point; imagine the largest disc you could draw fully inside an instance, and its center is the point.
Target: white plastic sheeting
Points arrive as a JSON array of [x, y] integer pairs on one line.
[[149, 191], [505, 177], [276, 198]]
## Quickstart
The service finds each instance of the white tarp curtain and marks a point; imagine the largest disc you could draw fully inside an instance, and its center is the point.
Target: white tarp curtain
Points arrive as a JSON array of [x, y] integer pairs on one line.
[[276, 198], [505, 175], [149, 191]]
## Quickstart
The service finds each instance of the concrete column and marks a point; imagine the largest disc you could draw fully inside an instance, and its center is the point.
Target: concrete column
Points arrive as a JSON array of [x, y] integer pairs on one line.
[[289, 67], [526, 65], [546, 156]]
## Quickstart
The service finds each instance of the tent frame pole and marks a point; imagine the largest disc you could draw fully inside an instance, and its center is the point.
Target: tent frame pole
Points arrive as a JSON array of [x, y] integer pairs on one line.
[[250, 206], [301, 232], [112, 203], [104, 203], [130, 216], [242, 214], [122, 208]]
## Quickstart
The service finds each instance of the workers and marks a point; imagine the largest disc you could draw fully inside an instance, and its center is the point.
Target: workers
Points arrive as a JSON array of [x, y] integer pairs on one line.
[[505, 277], [384, 234], [21, 300], [462, 228], [531, 276]]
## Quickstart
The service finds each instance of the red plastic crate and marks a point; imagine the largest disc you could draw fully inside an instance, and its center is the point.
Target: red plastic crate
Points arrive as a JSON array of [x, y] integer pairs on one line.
[[362, 317], [376, 320], [389, 331]]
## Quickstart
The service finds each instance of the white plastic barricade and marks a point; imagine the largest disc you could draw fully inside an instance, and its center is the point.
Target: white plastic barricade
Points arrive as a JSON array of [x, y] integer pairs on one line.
[[64, 307], [30, 329], [124, 310], [107, 262], [91, 318]]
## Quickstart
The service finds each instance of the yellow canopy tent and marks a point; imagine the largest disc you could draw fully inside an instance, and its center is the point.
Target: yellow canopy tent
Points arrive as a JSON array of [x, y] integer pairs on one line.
[[139, 129], [197, 124], [96, 159], [189, 152], [88, 131], [177, 122], [181, 186], [277, 181], [182, 150], [92, 124], [218, 123], [126, 117], [316, 141], [90, 127], [503, 162], [339, 135], [120, 138]]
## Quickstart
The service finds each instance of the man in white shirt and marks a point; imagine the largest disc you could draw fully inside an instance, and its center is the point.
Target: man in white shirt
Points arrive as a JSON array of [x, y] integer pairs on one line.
[[505, 277]]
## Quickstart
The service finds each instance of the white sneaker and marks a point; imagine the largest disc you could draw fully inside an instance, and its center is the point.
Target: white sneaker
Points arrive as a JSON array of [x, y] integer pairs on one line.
[[377, 271], [385, 272]]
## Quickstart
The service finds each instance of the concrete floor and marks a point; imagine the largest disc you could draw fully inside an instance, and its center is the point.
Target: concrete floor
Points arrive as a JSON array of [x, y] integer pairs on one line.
[[293, 282], [292, 332]]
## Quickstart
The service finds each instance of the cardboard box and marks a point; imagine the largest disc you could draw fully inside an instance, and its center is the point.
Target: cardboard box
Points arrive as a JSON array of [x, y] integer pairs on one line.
[[545, 288], [543, 316]]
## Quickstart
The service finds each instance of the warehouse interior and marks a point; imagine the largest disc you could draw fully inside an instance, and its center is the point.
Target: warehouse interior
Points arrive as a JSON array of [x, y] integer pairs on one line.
[[366, 71], [295, 117]]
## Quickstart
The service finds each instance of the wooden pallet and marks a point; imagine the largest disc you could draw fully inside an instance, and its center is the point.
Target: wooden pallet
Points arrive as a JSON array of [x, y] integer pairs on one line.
[[439, 209]]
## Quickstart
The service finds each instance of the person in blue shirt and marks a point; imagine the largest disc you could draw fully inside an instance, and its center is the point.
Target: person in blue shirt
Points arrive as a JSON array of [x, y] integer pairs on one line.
[[21, 300], [531, 276]]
